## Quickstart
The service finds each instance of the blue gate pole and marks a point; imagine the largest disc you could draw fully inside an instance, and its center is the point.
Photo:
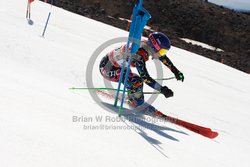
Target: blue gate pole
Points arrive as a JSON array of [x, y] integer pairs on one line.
[[140, 18], [127, 73], [122, 73], [131, 34]]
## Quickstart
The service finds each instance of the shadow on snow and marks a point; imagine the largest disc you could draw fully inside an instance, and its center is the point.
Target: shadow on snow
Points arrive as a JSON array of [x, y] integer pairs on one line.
[[139, 123]]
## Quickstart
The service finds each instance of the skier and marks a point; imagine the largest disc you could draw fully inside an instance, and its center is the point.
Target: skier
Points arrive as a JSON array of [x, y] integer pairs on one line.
[[156, 46]]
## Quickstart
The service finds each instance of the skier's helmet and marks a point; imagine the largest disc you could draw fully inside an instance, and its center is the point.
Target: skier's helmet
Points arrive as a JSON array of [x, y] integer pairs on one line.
[[159, 42]]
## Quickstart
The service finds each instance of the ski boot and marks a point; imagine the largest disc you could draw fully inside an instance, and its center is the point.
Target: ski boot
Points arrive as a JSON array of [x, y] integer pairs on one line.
[[153, 111], [135, 98]]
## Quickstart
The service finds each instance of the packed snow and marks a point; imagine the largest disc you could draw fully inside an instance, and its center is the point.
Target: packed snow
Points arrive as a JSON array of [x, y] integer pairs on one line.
[[44, 123], [233, 4], [193, 42]]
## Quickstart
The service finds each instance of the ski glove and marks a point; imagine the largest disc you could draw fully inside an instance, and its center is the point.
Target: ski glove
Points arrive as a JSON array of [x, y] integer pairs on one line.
[[166, 91], [179, 76]]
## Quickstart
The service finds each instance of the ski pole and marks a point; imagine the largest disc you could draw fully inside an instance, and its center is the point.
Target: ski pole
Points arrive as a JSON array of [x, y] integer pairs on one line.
[[27, 10], [165, 78], [45, 27], [96, 89], [151, 93]]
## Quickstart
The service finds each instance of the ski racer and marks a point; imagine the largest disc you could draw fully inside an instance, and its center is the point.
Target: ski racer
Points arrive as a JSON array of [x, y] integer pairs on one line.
[[156, 46]]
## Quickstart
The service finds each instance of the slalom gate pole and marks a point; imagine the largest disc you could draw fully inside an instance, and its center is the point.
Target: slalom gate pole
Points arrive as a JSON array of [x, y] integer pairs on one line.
[[47, 21], [124, 88], [129, 22], [122, 73], [130, 39], [131, 34], [139, 20]]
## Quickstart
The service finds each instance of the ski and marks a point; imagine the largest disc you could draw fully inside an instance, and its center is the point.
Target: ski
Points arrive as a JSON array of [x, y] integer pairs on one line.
[[204, 131]]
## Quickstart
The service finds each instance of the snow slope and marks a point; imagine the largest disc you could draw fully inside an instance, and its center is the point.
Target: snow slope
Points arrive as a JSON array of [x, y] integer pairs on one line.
[[193, 42], [233, 4], [37, 108]]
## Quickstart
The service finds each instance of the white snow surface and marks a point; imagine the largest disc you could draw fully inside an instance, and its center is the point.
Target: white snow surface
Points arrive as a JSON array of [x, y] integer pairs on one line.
[[201, 44], [37, 108]]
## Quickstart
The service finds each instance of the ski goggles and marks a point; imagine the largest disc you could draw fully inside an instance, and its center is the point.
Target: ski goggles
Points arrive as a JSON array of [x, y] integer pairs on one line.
[[162, 52], [157, 47]]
